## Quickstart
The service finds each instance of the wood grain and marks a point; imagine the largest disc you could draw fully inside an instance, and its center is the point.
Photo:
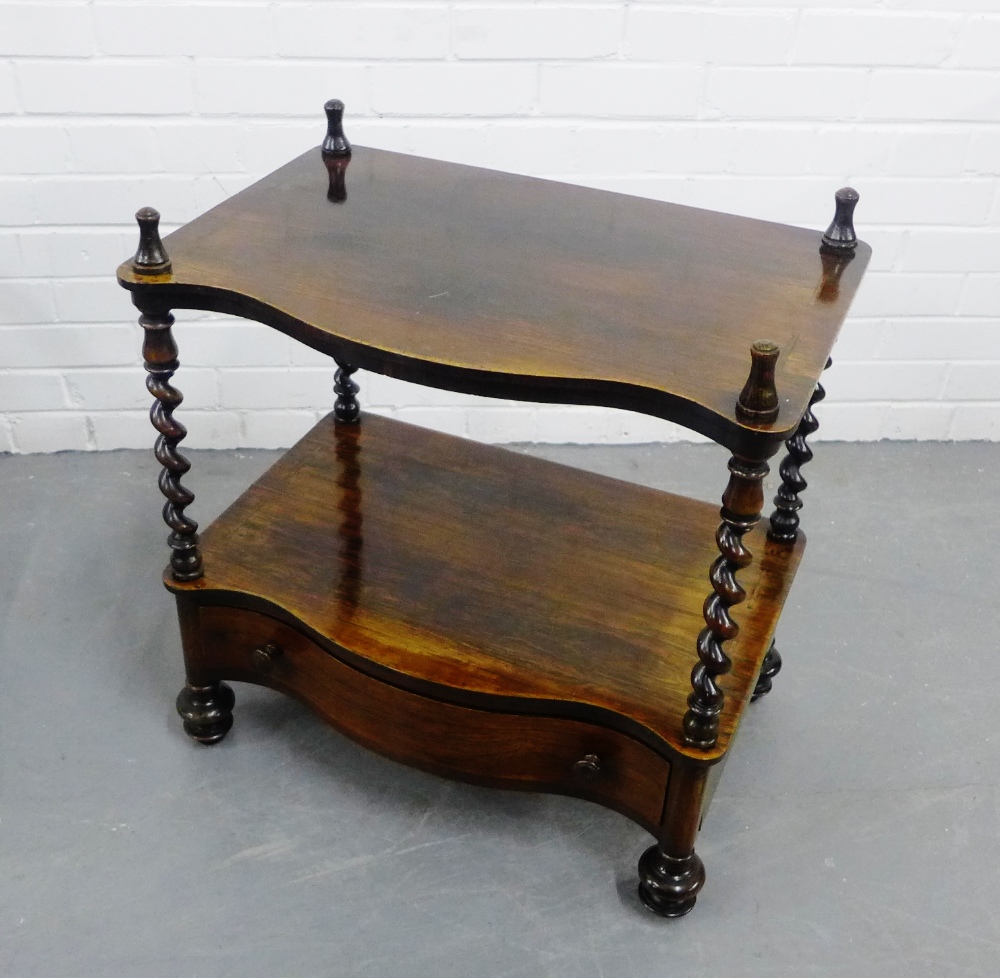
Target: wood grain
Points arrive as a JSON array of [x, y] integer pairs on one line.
[[528, 753], [491, 579], [475, 280]]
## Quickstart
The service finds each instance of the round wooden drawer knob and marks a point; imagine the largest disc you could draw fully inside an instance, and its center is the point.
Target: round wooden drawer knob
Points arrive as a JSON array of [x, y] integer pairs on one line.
[[265, 656], [588, 767]]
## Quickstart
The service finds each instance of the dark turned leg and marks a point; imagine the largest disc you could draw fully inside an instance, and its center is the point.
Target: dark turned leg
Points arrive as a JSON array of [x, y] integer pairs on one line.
[[669, 885], [785, 518], [741, 506], [770, 668], [207, 707], [839, 244], [785, 521], [205, 704], [159, 352], [671, 874], [207, 711], [837, 249], [346, 408]]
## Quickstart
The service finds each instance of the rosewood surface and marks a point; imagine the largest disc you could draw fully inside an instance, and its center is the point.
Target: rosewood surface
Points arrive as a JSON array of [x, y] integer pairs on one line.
[[494, 580], [499, 284]]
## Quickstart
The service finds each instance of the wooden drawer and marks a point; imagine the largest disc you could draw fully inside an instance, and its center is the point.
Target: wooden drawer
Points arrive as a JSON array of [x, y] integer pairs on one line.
[[503, 750]]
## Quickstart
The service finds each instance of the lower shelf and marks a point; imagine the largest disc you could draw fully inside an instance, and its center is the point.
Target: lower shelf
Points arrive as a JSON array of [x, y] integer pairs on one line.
[[490, 581]]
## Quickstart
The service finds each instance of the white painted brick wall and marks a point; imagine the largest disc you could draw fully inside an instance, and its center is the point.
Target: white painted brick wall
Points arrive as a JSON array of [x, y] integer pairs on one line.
[[759, 107]]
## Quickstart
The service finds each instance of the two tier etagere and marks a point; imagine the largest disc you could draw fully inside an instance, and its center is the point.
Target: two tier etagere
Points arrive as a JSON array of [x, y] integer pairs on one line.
[[471, 611]]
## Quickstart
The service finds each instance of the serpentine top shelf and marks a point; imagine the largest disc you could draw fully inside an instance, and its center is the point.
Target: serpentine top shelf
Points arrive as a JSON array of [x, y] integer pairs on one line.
[[491, 283]]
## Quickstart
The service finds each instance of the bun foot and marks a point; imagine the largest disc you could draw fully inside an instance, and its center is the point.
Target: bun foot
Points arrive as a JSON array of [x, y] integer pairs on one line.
[[207, 711], [669, 885], [770, 668]]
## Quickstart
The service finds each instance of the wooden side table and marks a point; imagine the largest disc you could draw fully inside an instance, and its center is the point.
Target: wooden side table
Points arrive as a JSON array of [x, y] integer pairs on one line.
[[470, 611]]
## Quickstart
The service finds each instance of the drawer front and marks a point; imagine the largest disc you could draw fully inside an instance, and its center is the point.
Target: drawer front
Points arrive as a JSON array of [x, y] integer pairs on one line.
[[503, 750]]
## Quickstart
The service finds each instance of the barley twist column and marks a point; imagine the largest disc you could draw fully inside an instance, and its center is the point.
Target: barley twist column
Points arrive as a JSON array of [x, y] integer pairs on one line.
[[346, 408], [741, 506], [787, 502]]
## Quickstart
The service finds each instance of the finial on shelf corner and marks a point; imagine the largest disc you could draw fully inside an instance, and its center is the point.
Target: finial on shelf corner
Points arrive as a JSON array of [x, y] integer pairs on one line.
[[336, 143], [758, 401], [151, 257], [840, 237]]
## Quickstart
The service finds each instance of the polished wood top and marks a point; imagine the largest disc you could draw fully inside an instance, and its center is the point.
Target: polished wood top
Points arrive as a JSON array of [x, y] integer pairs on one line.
[[473, 574], [482, 281]]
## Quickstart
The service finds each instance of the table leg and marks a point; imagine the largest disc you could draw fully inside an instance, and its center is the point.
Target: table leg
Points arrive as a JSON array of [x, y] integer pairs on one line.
[[671, 874], [785, 518], [159, 352], [741, 506], [784, 521], [346, 409], [205, 704], [770, 668]]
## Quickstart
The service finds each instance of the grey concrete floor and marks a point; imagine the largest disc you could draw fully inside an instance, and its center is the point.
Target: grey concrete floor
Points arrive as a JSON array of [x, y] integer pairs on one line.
[[855, 831]]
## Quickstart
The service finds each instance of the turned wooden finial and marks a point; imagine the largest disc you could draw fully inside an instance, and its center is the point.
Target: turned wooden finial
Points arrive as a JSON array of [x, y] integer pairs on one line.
[[151, 257], [758, 400], [840, 237], [336, 143]]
